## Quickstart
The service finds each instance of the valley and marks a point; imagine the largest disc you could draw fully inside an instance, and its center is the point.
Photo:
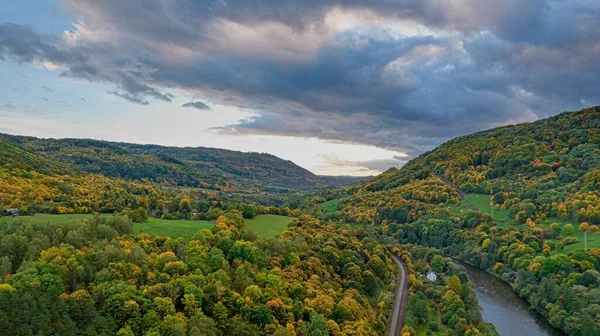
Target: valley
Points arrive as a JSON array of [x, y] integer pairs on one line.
[[299, 168], [183, 249]]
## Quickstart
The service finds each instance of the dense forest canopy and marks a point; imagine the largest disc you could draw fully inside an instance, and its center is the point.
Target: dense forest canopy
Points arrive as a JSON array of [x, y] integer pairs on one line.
[[93, 277]]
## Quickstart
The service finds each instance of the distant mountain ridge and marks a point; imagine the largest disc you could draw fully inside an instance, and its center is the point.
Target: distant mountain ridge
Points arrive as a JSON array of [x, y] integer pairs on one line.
[[178, 166]]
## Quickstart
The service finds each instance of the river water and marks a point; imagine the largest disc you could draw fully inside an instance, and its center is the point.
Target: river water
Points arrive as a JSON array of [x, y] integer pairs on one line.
[[501, 306]]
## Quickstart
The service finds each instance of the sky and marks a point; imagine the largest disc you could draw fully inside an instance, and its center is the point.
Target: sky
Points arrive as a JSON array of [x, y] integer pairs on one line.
[[339, 87]]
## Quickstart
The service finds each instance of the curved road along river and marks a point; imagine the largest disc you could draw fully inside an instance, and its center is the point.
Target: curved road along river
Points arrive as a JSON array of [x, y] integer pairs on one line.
[[401, 297]]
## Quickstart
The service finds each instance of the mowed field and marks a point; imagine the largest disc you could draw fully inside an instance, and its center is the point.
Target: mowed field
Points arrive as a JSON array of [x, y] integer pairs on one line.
[[265, 226], [481, 203], [181, 228]]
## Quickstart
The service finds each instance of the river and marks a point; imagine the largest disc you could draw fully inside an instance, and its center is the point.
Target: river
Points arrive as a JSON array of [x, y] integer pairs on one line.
[[501, 306]]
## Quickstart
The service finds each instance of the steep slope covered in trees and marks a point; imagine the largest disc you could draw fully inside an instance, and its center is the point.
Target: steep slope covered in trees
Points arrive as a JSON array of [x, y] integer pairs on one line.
[[547, 168], [14, 157], [197, 167], [34, 183]]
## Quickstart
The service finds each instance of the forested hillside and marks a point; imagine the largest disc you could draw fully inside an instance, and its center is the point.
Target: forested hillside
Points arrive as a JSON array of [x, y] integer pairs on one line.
[[522, 202], [195, 167], [34, 183], [548, 168]]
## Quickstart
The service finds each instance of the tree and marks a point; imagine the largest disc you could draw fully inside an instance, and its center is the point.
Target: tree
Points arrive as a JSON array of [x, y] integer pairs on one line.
[[261, 315], [5, 266], [454, 284], [585, 228], [200, 325], [318, 326], [121, 224], [139, 215], [437, 263], [420, 310], [220, 315], [185, 205], [568, 230]]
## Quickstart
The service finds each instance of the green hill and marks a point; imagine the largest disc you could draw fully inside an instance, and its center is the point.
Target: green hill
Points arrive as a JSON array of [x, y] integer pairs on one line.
[[195, 167], [16, 157], [547, 168]]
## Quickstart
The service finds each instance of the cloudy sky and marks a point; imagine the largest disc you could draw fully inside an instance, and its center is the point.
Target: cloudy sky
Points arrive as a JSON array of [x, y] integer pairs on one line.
[[339, 87]]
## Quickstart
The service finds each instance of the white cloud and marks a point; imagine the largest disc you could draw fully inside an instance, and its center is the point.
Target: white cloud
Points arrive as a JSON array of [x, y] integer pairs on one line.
[[165, 124]]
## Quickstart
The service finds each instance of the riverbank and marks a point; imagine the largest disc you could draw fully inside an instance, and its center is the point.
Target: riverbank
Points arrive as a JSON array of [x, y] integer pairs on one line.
[[500, 305]]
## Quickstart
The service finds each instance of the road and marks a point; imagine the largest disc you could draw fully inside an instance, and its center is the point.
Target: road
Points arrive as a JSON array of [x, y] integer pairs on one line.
[[401, 297]]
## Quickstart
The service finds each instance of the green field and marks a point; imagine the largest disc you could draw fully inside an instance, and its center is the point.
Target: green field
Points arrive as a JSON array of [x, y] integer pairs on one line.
[[593, 240], [480, 202], [266, 226], [48, 218], [331, 206], [181, 228]]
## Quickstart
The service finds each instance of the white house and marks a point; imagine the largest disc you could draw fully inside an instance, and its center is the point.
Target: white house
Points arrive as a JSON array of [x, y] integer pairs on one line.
[[431, 276]]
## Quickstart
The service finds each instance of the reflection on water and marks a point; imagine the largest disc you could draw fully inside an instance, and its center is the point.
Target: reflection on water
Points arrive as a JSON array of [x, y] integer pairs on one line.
[[501, 306]]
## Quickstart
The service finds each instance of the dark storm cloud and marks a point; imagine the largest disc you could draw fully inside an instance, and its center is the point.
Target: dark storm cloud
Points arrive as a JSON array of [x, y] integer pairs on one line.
[[478, 64], [93, 62], [186, 20], [197, 105]]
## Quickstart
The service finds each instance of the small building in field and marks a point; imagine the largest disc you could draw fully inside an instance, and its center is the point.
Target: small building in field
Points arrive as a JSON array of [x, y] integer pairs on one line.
[[11, 212], [431, 276]]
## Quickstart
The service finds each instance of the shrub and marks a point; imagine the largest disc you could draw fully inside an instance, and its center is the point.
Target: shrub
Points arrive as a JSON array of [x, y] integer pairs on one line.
[[432, 325], [569, 240]]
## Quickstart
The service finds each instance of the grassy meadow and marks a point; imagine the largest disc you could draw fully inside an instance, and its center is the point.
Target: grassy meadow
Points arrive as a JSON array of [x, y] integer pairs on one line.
[[331, 206], [481, 203], [181, 228], [265, 226]]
